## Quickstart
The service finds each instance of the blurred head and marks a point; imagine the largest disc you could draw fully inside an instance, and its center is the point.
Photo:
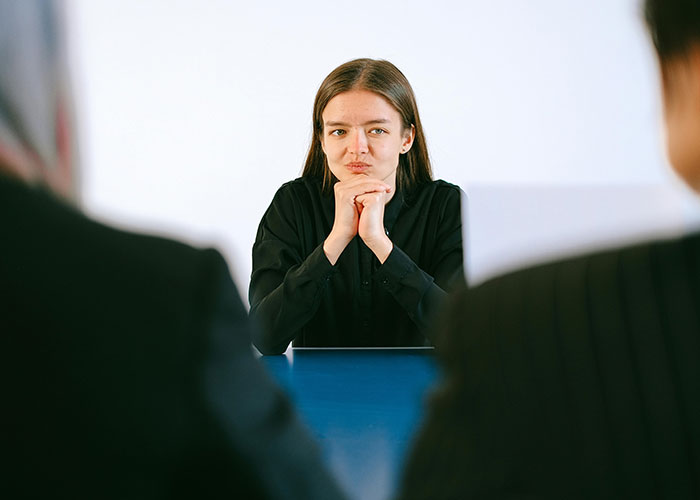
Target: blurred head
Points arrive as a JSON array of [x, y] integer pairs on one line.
[[366, 121], [675, 30], [36, 139]]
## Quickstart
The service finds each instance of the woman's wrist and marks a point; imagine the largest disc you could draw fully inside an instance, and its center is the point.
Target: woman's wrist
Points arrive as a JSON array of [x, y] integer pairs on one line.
[[381, 248], [333, 246]]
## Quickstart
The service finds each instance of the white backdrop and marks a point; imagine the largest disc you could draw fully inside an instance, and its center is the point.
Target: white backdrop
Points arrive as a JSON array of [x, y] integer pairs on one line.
[[193, 112]]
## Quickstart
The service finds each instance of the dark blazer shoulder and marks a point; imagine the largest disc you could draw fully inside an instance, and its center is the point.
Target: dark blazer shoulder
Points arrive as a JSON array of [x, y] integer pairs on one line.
[[552, 369], [688, 244], [648, 265], [56, 254]]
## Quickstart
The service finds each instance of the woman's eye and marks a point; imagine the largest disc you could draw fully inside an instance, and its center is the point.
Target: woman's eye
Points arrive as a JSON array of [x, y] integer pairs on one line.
[[377, 131], [338, 132]]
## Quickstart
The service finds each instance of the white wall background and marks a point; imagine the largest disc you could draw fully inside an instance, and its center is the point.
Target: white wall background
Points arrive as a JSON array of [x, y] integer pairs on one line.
[[193, 112]]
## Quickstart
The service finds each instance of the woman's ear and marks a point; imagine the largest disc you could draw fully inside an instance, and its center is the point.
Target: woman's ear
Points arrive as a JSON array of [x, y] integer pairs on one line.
[[409, 136]]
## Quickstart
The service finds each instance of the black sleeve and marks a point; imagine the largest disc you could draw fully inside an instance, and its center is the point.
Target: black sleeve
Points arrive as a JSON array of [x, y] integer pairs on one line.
[[255, 418], [421, 292], [286, 288]]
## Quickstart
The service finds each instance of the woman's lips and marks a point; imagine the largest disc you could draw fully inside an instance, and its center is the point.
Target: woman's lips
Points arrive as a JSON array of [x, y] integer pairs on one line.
[[357, 167]]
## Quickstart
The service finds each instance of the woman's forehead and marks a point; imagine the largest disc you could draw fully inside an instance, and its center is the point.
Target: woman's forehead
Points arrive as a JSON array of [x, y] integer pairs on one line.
[[359, 107]]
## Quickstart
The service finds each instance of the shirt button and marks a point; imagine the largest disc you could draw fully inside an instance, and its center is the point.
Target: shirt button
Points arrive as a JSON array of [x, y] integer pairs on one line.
[[328, 278], [365, 283], [365, 324], [385, 281]]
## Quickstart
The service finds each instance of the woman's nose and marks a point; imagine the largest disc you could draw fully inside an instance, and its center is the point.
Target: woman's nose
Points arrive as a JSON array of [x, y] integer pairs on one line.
[[358, 142]]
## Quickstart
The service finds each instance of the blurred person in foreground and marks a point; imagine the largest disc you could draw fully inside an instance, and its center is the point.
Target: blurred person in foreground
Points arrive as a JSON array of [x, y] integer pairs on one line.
[[581, 378], [127, 369]]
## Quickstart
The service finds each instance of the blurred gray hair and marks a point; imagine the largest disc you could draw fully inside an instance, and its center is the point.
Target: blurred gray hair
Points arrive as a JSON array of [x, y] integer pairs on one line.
[[37, 139]]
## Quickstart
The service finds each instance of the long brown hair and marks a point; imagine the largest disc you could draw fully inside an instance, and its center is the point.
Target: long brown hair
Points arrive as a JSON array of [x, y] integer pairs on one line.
[[384, 79]]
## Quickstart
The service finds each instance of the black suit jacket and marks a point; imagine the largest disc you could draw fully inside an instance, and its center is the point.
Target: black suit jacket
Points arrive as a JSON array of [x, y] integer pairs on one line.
[[127, 370], [577, 379]]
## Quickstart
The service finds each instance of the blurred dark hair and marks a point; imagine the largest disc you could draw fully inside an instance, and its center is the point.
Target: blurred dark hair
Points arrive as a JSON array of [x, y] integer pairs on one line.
[[674, 25], [385, 79]]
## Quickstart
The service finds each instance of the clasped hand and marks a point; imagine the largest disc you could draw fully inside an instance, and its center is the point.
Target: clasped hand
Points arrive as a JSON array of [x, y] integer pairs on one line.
[[359, 209]]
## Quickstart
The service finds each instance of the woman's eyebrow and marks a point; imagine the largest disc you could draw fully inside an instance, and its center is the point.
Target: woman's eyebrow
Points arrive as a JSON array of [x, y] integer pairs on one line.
[[371, 122]]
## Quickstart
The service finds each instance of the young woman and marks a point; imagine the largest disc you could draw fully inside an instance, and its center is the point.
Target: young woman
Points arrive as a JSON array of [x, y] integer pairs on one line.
[[361, 250]]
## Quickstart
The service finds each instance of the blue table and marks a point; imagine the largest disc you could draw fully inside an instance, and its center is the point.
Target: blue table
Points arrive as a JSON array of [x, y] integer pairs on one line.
[[363, 406]]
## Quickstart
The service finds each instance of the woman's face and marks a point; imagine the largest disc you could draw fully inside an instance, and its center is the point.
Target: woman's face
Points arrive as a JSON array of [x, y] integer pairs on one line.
[[681, 82], [363, 135]]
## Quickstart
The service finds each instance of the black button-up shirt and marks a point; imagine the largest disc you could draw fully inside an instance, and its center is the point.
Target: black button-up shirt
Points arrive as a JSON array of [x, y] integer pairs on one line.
[[296, 294]]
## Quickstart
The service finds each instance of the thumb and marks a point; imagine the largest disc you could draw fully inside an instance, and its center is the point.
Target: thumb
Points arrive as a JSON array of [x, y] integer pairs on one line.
[[359, 206]]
